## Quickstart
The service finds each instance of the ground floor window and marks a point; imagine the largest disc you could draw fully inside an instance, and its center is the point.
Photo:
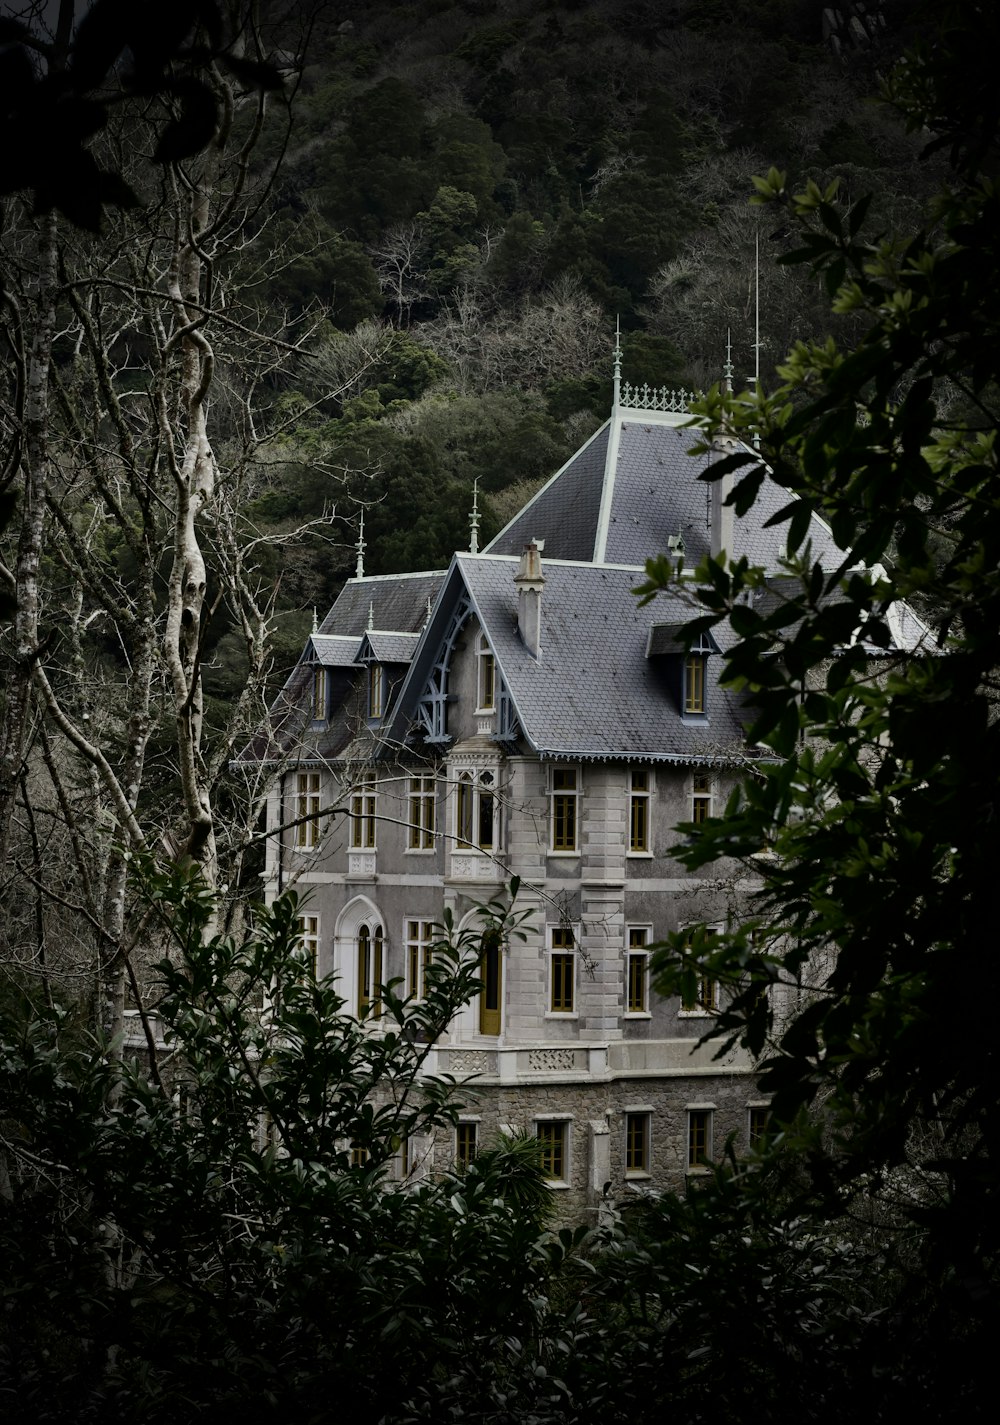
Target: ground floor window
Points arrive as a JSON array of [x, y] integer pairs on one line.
[[553, 1136]]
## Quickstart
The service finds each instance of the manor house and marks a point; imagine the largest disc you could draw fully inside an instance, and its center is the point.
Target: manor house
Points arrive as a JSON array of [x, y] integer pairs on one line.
[[521, 714]]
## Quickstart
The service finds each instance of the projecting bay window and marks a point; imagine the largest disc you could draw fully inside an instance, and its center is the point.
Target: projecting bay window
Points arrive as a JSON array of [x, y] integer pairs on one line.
[[419, 939], [562, 970], [563, 796], [364, 803], [638, 812], [486, 679], [637, 971], [307, 806], [422, 803], [369, 971], [475, 811]]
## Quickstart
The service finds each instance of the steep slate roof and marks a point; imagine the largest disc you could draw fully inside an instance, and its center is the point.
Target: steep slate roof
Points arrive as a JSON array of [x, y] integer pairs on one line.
[[606, 682], [631, 488], [593, 693], [333, 650], [391, 647], [399, 600]]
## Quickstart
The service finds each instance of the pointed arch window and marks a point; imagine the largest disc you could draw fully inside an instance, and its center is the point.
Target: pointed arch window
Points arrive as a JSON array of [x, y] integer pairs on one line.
[[369, 970]]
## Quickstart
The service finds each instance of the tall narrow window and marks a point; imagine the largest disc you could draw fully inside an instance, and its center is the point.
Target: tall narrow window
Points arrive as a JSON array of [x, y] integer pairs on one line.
[[475, 810], [564, 796], [491, 974], [699, 1137], [309, 932], [420, 836], [375, 689], [636, 1000], [363, 813], [701, 797], [758, 1125], [307, 810], [638, 810], [552, 1136], [419, 938], [701, 996], [487, 676], [704, 999], [466, 1143], [320, 693], [694, 683], [637, 1142], [695, 701], [369, 971], [562, 972]]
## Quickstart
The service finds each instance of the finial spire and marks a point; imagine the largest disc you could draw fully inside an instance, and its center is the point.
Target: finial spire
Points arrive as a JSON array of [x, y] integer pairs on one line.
[[474, 519], [315, 620], [371, 616], [727, 370], [361, 546], [617, 367], [429, 606]]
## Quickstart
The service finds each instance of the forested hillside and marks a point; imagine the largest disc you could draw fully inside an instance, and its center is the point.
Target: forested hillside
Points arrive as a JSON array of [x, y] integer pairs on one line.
[[472, 193], [389, 278]]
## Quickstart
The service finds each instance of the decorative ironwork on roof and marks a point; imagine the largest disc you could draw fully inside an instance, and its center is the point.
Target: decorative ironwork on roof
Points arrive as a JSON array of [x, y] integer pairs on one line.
[[655, 398]]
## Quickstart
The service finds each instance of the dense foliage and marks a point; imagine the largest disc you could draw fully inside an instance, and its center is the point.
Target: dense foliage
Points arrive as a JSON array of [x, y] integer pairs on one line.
[[878, 817]]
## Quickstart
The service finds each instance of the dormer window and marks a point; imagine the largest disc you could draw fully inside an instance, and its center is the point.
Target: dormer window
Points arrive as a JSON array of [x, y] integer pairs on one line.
[[486, 696], [376, 690], [694, 682], [684, 671], [320, 695]]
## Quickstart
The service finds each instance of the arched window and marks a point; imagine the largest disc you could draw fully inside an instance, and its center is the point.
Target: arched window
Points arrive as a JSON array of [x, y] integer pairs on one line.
[[486, 695], [491, 974], [475, 810], [369, 970]]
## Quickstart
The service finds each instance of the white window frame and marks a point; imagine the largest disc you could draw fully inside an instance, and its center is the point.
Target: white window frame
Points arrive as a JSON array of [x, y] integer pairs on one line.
[[576, 793], [467, 1121], [552, 932], [708, 1109], [364, 814], [308, 804], [309, 941], [486, 676], [422, 814], [470, 789], [637, 951], [417, 947], [701, 1010], [566, 1122], [645, 1112], [701, 796], [645, 796]]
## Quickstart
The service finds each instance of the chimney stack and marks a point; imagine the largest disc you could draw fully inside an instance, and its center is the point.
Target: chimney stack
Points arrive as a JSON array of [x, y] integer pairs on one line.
[[722, 518], [530, 581]]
